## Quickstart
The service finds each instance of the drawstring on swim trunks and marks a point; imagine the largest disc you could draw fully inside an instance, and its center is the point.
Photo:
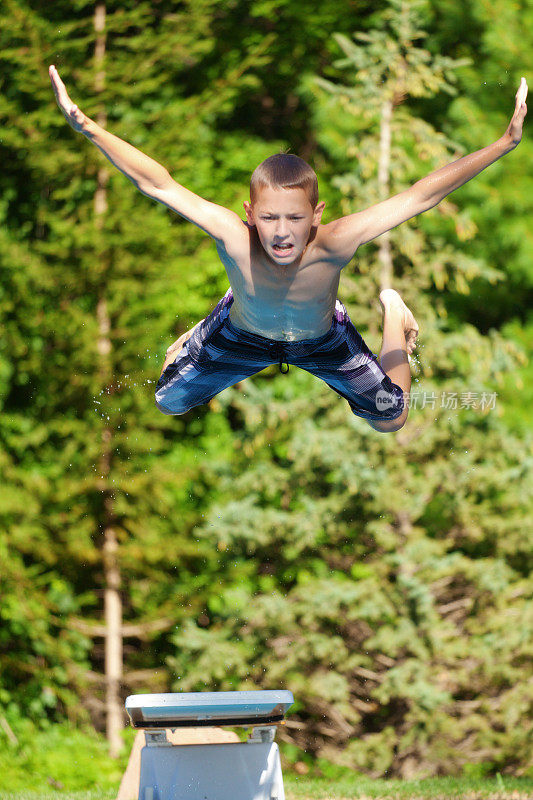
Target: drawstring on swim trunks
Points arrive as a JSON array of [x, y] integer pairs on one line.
[[279, 353]]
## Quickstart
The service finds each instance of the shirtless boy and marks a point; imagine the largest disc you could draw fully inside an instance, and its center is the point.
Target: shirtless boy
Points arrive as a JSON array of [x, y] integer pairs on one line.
[[284, 267]]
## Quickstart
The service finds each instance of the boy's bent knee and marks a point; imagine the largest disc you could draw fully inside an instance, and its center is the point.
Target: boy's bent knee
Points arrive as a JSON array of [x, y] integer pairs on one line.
[[170, 412], [388, 426], [392, 408], [163, 409]]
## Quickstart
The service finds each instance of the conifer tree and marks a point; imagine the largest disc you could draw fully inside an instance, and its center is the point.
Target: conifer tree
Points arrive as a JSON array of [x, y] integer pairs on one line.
[[94, 275], [367, 572], [271, 539]]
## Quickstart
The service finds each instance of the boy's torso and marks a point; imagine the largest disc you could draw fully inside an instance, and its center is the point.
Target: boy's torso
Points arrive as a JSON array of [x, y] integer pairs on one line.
[[281, 302]]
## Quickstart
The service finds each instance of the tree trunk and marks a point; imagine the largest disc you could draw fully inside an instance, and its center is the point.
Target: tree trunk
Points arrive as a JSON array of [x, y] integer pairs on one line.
[[384, 253], [112, 599]]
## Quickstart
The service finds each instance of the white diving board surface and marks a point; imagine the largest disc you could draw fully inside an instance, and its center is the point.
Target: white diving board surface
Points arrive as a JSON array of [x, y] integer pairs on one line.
[[248, 770], [185, 709]]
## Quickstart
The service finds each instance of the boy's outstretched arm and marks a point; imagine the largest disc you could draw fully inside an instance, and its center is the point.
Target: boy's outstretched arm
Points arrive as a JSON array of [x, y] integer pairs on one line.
[[150, 177], [343, 236]]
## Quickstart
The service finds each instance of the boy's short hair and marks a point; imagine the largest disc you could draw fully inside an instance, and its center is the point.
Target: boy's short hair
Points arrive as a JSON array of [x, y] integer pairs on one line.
[[285, 171]]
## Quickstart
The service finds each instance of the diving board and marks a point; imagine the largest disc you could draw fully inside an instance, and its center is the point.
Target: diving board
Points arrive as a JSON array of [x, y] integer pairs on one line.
[[248, 770]]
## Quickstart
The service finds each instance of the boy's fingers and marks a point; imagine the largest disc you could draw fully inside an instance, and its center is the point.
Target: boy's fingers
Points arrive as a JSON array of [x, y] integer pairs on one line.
[[59, 87], [54, 77], [522, 92]]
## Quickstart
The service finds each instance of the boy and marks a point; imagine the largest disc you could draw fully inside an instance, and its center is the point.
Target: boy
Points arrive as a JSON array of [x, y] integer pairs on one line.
[[284, 268]]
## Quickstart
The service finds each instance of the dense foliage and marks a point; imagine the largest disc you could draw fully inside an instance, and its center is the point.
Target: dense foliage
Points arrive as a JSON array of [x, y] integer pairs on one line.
[[271, 539]]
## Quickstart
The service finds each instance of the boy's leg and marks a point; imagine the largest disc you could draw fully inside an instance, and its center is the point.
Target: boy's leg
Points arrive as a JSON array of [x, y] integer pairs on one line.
[[400, 331], [207, 359], [187, 383], [375, 389]]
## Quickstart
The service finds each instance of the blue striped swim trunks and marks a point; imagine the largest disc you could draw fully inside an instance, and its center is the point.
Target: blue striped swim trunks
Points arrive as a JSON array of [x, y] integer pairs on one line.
[[218, 354]]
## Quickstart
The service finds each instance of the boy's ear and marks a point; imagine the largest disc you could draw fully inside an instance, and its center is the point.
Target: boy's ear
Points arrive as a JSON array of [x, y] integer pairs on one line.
[[317, 213], [248, 210]]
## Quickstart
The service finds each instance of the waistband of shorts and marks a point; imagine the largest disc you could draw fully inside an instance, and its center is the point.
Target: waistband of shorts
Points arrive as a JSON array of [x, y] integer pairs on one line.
[[339, 316], [256, 337]]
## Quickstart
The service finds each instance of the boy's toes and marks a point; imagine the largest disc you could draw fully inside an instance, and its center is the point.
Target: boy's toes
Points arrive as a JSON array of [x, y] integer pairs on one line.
[[411, 340]]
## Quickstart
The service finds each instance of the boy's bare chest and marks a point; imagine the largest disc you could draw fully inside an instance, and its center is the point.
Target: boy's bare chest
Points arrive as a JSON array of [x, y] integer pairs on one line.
[[283, 302]]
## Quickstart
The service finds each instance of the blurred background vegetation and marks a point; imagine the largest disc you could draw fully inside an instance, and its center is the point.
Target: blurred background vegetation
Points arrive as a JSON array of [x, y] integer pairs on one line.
[[271, 539]]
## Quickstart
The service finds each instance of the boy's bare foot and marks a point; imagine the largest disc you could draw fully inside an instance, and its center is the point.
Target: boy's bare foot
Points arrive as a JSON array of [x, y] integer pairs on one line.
[[176, 346], [391, 301]]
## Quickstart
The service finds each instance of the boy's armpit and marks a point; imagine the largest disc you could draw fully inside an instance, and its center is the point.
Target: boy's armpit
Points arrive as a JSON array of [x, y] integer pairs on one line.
[[339, 241]]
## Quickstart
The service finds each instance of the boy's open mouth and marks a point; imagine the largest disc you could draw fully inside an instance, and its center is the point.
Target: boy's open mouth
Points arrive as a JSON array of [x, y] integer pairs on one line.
[[283, 249]]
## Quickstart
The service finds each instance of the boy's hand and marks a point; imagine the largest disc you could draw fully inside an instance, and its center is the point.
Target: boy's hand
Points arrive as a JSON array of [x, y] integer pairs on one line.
[[75, 118], [514, 131]]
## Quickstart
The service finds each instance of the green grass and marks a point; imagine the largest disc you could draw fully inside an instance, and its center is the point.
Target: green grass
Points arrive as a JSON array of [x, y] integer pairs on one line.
[[430, 788], [354, 788], [59, 759], [63, 762]]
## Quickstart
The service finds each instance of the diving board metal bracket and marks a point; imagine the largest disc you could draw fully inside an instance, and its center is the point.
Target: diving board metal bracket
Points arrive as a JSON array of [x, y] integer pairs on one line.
[[248, 770]]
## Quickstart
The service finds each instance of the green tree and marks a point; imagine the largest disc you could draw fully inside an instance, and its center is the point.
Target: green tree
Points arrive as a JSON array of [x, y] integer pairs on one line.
[[86, 305], [376, 585], [371, 574], [90, 300]]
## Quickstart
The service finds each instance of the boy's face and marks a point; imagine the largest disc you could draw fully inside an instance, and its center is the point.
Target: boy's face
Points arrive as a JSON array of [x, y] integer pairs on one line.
[[283, 218]]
